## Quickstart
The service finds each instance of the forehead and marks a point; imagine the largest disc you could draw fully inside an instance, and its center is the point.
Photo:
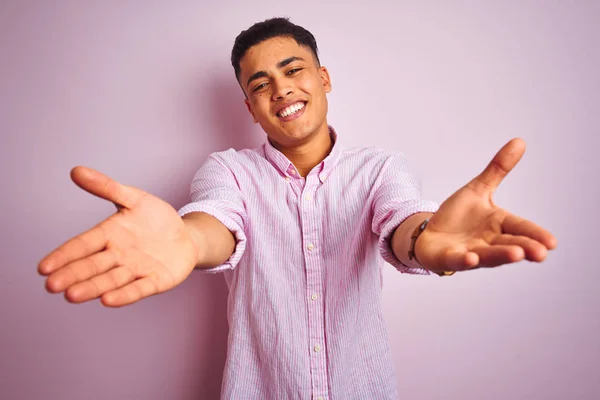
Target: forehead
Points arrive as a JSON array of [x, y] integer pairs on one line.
[[267, 54]]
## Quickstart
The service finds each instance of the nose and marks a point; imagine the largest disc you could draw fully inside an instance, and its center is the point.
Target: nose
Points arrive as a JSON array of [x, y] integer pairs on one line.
[[282, 89]]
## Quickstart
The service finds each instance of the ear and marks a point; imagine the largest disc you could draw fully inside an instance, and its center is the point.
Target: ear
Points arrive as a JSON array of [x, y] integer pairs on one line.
[[325, 78], [250, 110]]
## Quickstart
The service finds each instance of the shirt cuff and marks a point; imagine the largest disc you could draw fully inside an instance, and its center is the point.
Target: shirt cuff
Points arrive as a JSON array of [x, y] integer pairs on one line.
[[234, 227], [389, 228]]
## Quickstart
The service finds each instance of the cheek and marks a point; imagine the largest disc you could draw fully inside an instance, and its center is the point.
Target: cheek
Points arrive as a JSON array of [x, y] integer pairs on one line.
[[313, 86], [261, 106]]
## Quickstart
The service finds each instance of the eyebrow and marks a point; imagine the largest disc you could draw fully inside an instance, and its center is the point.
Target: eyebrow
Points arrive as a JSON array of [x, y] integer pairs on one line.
[[280, 64]]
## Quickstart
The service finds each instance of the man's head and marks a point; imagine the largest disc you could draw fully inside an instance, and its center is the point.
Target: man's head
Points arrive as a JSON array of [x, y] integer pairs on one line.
[[277, 66], [268, 29]]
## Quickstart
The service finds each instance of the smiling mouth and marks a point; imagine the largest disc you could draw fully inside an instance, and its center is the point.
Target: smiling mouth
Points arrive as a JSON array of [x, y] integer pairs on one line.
[[291, 110]]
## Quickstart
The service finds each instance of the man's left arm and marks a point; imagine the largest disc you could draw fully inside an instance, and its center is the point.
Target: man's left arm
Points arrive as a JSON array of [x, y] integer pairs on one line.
[[469, 230]]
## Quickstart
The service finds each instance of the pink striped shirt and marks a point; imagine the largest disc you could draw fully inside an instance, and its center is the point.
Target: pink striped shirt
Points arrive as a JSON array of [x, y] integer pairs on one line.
[[304, 313]]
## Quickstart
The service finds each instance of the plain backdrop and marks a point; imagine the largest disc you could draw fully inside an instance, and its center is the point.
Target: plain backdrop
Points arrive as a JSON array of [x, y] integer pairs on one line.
[[144, 91]]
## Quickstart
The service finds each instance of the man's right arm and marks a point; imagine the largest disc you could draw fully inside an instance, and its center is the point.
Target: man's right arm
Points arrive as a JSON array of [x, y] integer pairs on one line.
[[214, 242], [143, 249]]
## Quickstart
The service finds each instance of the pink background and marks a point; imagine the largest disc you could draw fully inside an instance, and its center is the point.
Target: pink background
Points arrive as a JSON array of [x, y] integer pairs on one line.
[[143, 91]]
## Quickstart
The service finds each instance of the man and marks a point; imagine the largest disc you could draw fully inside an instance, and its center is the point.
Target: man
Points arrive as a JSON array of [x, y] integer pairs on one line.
[[299, 227]]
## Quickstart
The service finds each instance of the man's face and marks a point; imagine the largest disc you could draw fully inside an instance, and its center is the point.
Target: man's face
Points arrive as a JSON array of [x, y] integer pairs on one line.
[[285, 90]]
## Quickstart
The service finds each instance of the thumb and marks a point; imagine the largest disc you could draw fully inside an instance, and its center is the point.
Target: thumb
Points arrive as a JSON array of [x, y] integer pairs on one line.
[[502, 163], [100, 185]]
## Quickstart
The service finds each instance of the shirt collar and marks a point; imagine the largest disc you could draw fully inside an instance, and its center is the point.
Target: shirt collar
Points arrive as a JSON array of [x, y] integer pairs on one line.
[[287, 168]]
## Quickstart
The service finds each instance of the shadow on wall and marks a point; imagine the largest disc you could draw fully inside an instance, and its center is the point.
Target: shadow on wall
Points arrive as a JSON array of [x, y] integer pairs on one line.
[[229, 117], [219, 107], [221, 116]]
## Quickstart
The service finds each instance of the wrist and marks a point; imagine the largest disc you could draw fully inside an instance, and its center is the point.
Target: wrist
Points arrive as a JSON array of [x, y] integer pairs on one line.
[[401, 241], [418, 234], [195, 236]]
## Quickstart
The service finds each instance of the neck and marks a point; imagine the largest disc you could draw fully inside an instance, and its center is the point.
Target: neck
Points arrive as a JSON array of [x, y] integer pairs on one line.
[[307, 155]]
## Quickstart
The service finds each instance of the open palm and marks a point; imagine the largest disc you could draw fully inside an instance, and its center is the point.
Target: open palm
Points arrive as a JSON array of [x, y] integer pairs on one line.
[[469, 230], [141, 250]]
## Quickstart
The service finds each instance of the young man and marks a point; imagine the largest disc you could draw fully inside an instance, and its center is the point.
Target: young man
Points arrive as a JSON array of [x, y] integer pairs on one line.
[[299, 227]]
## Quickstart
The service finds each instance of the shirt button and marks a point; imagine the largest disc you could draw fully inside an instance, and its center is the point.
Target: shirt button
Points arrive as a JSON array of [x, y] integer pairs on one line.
[[287, 178], [310, 246], [293, 172], [308, 197], [320, 398], [317, 348], [314, 296]]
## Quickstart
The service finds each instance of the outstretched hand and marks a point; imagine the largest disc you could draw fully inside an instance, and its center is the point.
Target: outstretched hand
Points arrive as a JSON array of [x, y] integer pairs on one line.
[[141, 250], [469, 230]]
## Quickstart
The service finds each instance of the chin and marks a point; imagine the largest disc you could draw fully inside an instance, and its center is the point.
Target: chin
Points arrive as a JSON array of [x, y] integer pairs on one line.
[[298, 134], [278, 134]]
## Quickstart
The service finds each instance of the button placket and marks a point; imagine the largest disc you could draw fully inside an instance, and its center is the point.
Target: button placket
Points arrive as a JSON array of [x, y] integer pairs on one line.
[[314, 272]]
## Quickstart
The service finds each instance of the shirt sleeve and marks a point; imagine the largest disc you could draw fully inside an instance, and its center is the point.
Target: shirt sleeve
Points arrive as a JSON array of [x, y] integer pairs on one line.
[[215, 191], [397, 196]]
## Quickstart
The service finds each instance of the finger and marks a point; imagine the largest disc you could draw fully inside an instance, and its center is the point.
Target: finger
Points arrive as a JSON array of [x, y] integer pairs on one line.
[[459, 260], [493, 256], [519, 226], [135, 291], [106, 188], [98, 285], [81, 270], [502, 163], [534, 250], [83, 245]]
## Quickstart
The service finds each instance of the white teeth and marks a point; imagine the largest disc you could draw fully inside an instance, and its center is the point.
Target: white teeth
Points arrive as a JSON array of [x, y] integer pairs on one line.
[[294, 108]]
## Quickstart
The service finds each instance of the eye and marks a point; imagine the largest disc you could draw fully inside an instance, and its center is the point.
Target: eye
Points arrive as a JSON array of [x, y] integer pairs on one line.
[[293, 71], [259, 87]]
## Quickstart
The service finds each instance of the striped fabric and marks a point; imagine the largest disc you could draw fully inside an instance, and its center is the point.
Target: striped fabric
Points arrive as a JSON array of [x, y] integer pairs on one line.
[[305, 320]]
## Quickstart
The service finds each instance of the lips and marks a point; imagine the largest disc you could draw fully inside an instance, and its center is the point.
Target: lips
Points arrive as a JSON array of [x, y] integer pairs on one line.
[[290, 109]]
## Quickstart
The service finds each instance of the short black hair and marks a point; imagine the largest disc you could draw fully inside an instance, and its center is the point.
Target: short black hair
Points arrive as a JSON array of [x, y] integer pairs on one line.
[[270, 28]]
